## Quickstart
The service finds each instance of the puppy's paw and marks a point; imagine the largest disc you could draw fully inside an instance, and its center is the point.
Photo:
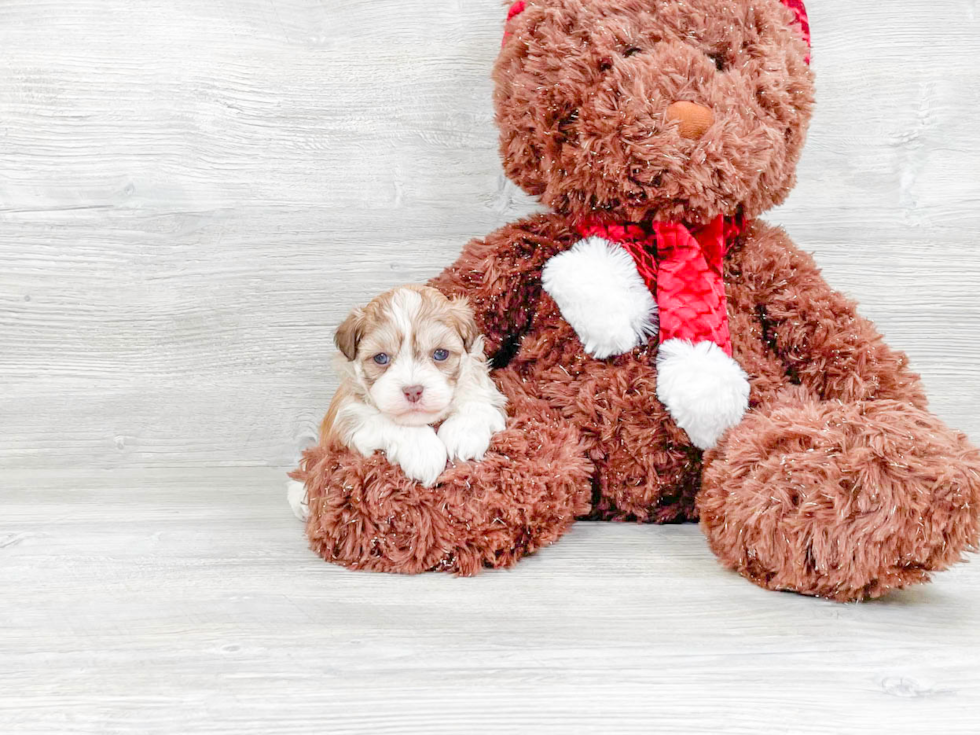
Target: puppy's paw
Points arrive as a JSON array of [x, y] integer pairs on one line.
[[419, 452], [467, 433], [296, 495], [368, 438]]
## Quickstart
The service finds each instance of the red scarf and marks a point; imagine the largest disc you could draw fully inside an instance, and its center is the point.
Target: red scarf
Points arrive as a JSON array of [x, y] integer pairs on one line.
[[684, 269]]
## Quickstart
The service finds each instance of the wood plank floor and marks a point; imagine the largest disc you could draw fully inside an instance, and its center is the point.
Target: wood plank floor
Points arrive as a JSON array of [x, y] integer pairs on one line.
[[169, 601]]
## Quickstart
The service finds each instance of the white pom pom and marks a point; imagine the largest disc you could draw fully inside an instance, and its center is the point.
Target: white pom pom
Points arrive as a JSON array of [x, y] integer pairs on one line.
[[705, 390]]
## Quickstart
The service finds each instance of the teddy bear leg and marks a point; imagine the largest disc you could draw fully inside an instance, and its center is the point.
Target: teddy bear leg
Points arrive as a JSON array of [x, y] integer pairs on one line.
[[844, 501], [527, 491]]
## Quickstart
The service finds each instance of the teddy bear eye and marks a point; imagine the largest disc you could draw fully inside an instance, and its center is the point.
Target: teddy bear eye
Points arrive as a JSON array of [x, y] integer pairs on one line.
[[566, 127], [719, 61]]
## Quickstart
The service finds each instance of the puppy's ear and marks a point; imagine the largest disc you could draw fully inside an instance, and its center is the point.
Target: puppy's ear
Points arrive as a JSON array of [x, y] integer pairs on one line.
[[463, 321], [349, 334]]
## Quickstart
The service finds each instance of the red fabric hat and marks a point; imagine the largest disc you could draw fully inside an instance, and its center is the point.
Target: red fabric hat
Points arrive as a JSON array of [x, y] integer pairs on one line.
[[516, 8], [796, 6], [802, 19]]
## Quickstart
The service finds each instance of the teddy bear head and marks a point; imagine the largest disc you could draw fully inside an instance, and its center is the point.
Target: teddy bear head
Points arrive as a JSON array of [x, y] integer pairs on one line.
[[644, 110]]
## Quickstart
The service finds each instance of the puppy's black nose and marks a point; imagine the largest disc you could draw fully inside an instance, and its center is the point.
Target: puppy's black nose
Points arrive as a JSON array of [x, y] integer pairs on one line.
[[413, 393]]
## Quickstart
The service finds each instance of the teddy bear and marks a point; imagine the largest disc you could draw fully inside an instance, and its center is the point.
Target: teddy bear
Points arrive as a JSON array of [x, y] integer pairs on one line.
[[667, 356]]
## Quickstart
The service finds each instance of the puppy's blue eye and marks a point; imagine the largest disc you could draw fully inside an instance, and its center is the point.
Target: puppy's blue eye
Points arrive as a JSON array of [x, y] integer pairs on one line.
[[381, 358], [440, 355]]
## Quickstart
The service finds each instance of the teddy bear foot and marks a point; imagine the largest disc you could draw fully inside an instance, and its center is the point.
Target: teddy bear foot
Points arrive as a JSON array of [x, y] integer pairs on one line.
[[844, 501], [526, 492]]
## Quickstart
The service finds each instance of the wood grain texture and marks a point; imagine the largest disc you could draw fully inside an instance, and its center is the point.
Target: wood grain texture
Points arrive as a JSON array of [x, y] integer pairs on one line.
[[163, 601], [193, 194]]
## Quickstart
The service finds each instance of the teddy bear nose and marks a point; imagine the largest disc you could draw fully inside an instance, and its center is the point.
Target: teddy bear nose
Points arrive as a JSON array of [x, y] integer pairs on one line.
[[694, 119]]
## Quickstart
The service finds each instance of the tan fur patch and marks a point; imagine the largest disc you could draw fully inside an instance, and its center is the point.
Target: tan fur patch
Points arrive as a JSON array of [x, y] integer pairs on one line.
[[328, 428], [438, 323]]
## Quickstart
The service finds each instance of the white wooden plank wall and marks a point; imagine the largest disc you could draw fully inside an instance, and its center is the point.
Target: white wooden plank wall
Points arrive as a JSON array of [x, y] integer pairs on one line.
[[194, 192]]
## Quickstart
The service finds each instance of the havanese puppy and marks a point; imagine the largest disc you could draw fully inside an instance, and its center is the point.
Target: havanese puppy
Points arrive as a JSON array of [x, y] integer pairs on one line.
[[411, 360]]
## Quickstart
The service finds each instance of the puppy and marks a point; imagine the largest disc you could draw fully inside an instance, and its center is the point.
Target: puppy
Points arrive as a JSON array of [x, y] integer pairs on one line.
[[410, 360]]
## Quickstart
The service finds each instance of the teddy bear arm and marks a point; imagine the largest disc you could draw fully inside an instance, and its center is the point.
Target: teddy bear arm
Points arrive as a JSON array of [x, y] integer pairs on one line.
[[842, 486], [534, 481], [500, 275], [824, 343]]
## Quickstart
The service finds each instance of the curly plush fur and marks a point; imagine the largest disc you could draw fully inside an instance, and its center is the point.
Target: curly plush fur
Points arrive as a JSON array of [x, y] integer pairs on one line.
[[840, 500], [582, 93], [531, 486], [836, 483]]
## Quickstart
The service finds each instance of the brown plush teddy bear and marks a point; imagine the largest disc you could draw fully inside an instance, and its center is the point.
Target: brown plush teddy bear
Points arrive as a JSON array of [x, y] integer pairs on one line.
[[666, 355]]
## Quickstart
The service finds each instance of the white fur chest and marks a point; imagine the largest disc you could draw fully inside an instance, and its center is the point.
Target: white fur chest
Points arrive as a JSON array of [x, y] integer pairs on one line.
[[602, 296]]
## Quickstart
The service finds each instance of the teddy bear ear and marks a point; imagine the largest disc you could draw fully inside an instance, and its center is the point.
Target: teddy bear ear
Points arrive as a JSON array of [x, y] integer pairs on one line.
[[802, 19], [515, 9]]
